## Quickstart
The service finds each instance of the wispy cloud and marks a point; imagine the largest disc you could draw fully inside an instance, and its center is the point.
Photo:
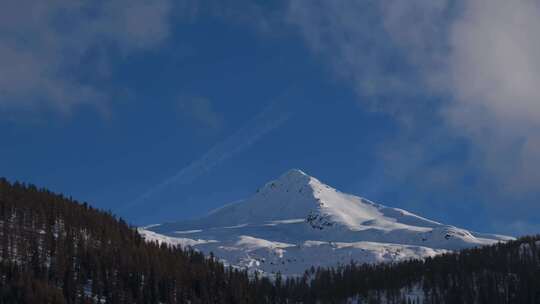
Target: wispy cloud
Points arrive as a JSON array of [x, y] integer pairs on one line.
[[494, 71], [475, 62], [354, 38], [269, 119], [43, 45]]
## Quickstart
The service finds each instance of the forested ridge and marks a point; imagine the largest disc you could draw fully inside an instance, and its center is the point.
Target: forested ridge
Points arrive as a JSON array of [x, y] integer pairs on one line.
[[501, 273], [54, 249]]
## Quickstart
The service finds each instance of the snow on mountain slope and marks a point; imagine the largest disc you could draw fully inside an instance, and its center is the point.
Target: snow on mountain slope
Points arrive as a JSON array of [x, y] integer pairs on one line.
[[296, 222]]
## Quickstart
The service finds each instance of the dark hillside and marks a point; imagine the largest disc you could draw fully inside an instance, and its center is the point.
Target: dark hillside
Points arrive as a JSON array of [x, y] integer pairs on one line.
[[501, 273], [56, 250]]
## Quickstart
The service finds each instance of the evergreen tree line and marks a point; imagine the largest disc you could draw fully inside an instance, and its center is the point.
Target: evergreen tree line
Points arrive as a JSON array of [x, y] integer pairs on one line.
[[500, 273], [54, 249]]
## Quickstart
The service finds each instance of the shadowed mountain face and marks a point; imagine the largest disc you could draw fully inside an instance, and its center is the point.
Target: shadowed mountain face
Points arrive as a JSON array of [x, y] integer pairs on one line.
[[296, 222]]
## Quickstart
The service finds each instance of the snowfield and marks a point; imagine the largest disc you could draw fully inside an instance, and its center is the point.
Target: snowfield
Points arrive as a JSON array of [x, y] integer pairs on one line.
[[296, 222]]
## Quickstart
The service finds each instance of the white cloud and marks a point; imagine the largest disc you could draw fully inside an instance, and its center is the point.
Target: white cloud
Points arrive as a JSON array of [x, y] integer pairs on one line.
[[42, 44], [494, 72], [480, 57], [346, 33]]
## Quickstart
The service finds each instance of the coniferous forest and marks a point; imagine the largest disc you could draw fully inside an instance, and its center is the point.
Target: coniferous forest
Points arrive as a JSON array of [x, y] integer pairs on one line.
[[54, 249]]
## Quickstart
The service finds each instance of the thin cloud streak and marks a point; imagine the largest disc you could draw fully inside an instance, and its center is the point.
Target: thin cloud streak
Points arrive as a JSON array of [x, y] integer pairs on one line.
[[269, 119]]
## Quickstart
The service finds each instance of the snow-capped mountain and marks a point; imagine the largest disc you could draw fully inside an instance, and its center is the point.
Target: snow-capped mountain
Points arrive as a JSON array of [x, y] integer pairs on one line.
[[296, 222]]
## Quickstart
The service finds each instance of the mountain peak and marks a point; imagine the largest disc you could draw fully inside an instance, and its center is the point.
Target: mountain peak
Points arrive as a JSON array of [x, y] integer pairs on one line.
[[294, 176], [294, 220], [294, 182], [295, 173]]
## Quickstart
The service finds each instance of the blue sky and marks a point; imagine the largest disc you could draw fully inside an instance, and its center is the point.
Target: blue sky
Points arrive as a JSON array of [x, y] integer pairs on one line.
[[164, 110]]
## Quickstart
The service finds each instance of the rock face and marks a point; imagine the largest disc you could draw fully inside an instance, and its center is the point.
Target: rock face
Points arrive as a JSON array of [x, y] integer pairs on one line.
[[296, 222]]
